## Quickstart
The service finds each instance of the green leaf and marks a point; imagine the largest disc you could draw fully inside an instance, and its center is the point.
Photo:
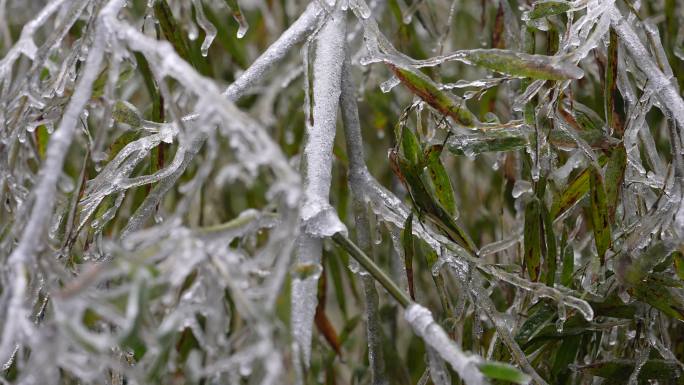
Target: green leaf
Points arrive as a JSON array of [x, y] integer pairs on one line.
[[411, 147], [532, 239], [565, 355], [612, 306], [568, 263], [426, 204], [487, 141], [615, 174], [596, 138], [548, 8], [575, 190], [42, 140], [152, 88], [523, 65], [540, 314], [336, 275], [172, 30], [551, 257], [611, 93], [431, 258], [638, 269], [505, 372], [121, 142], [679, 264], [440, 180], [409, 251], [125, 112], [426, 89], [620, 370], [599, 214], [668, 300]]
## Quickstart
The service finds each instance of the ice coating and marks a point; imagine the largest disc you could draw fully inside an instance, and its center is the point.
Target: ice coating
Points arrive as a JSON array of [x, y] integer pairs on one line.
[[180, 233], [318, 218], [424, 325]]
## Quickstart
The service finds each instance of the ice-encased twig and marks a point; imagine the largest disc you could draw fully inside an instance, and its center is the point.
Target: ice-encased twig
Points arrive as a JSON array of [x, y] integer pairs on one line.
[[666, 91], [317, 218], [424, 325], [294, 35]]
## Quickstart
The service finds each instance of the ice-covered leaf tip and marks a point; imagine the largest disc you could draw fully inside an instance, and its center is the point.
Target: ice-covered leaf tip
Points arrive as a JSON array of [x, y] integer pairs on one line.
[[523, 65], [517, 64], [421, 85], [546, 8]]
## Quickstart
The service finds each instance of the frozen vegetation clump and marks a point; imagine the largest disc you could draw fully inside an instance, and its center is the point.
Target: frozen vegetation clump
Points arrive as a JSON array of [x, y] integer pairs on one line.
[[341, 192]]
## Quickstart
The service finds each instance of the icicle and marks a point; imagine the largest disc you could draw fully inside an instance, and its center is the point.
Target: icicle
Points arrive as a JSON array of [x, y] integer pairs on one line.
[[390, 83], [207, 26], [239, 18]]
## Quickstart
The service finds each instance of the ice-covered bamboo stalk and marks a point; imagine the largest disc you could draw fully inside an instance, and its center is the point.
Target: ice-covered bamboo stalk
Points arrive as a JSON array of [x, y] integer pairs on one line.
[[357, 173], [317, 218]]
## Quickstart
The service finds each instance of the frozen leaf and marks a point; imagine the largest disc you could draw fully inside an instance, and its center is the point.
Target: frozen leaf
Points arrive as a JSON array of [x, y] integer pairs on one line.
[[423, 87], [599, 214]]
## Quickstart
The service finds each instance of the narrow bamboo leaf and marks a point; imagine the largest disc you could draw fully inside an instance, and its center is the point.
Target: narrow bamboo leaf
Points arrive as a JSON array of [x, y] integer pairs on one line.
[[326, 328], [568, 255], [126, 113], [575, 190], [172, 30], [532, 237], [42, 139], [679, 264], [336, 275], [186, 343], [101, 81], [595, 138], [540, 314], [635, 270], [565, 355], [426, 204], [668, 300], [620, 370], [615, 174], [426, 89], [551, 257], [546, 8], [410, 147], [121, 142], [321, 319], [487, 141], [505, 372], [523, 65], [431, 258], [409, 251], [440, 180], [613, 307], [611, 92], [599, 214], [152, 88], [587, 118]]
